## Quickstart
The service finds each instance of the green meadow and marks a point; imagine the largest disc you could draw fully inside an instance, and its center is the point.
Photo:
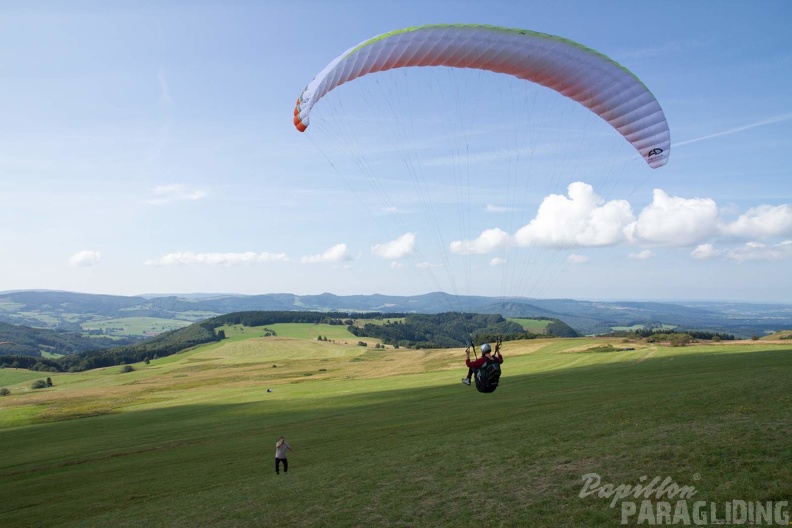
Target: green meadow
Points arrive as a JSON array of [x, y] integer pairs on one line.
[[135, 326], [385, 437], [536, 326]]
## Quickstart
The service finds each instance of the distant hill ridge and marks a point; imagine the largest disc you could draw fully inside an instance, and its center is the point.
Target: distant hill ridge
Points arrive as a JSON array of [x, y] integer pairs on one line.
[[57, 309]]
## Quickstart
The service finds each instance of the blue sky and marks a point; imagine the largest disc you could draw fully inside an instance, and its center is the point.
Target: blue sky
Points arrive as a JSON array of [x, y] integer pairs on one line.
[[149, 147]]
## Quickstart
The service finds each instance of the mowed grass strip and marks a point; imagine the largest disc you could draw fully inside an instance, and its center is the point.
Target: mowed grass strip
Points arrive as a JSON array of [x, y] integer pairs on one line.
[[395, 439]]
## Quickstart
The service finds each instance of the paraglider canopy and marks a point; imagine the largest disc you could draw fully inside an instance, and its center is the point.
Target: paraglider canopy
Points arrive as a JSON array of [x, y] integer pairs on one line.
[[592, 79]]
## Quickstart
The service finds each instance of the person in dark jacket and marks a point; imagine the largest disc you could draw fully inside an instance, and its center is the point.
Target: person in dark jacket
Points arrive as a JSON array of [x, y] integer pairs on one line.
[[486, 355]]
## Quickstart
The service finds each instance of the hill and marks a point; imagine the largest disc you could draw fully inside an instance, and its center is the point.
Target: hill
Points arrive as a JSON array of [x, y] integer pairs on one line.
[[784, 334], [37, 342], [452, 330], [413, 331], [83, 311]]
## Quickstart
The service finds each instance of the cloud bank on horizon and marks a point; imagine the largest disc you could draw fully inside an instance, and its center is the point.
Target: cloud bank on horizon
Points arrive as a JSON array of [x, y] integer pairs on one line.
[[581, 219]]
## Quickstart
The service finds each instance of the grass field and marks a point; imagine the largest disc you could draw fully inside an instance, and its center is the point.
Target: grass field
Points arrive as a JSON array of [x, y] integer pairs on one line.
[[635, 327], [135, 326], [391, 437], [337, 333], [536, 326]]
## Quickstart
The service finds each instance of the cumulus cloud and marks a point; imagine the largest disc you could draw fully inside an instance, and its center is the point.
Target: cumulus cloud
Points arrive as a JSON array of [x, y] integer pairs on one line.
[[497, 261], [427, 265], [488, 241], [577, 259], [641, 255], [581, 219], [750, 251], [166, 194], [675, 221], [396, 249], [337, 253], [762, 222], [216, 259], [584, 219], [85, 258]]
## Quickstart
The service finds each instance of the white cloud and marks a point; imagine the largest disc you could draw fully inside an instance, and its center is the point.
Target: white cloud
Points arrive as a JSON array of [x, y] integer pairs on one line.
[[85, 258], [165, 194], [396, 249], [217, 259], [750, 251], [759, 251], [395, 264], [427, 265], [762, 222], [641, 255], [497, 261], [577, 259], [705, 251], [488, 241], [337, 253], [581, 220], [491, 208], [674, 221]]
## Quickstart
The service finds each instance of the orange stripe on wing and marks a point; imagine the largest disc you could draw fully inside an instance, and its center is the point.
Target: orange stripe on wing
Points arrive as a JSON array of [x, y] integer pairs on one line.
[[299, 124]]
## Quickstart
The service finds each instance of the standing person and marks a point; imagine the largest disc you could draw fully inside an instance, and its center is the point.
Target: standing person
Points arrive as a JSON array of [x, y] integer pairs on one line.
[[486, 357], [281, 447]]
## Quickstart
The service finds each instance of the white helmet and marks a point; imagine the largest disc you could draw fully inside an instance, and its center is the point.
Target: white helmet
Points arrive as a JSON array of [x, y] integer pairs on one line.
[[485, 348]]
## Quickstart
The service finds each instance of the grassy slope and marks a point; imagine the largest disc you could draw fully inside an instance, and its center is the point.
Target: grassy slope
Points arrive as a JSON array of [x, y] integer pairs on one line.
[[135, 326], [391, 438], [536, 326], [784, 334]]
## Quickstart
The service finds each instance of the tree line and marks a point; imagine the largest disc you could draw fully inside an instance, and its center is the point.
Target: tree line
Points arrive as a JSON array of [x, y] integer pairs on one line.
[[449, 330], [655, 334]]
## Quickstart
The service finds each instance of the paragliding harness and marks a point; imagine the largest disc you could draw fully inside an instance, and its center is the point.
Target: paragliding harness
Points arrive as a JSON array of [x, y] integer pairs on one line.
[[488, 375]]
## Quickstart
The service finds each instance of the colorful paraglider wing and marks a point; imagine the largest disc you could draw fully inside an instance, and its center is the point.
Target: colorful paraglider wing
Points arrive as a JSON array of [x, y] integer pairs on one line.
[[582, 74]]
